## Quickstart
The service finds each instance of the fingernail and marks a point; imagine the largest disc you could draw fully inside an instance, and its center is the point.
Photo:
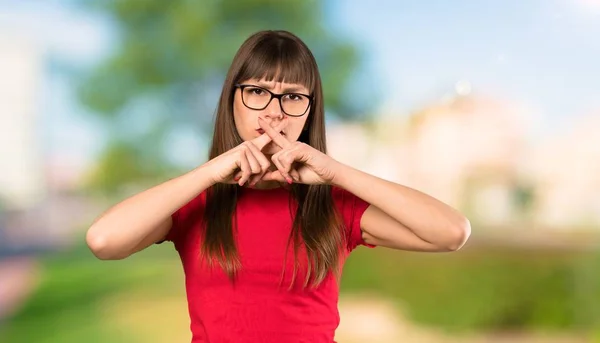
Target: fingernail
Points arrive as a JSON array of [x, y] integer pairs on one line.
[[237, 178], [288, 180]]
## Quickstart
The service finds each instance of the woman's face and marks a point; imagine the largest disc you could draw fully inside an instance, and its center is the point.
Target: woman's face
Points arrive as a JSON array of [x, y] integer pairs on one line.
[[246, 119]]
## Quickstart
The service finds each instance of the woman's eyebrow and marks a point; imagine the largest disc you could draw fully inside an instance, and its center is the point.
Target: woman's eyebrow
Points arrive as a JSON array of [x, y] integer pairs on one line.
[[290, 89]]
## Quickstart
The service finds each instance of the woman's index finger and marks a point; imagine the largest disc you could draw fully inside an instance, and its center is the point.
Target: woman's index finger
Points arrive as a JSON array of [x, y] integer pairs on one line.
[[274, 134]]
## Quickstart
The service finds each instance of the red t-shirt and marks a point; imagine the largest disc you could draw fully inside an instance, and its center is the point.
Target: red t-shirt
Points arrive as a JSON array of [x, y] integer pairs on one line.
[[257, 307]]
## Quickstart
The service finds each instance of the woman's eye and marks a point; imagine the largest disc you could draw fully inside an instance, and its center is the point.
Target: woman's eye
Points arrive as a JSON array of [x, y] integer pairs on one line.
[[257, 91]]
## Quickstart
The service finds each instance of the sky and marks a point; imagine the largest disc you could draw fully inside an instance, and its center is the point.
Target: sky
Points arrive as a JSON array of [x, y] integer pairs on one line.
[[542, 54]]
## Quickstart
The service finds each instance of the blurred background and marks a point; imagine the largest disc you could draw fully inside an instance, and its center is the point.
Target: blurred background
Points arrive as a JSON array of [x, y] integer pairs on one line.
[[490, 106]]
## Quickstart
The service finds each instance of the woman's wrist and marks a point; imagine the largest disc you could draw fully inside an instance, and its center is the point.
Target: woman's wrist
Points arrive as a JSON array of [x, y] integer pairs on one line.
[[203, 175]]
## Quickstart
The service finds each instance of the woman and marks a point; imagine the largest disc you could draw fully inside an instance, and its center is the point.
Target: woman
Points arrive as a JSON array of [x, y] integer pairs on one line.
[[264, 227]]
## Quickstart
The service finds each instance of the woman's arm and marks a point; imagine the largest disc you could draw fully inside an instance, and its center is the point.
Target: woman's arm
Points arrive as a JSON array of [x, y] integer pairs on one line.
[[145, 218], [401, 217]]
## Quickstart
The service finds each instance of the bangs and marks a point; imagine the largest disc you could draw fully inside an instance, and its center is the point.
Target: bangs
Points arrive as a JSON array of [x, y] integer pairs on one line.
[[279, 60]]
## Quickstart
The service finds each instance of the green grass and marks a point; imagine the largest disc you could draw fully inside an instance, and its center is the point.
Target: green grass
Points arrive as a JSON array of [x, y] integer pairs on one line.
[[471, 290], [484, 289], [66, 306]]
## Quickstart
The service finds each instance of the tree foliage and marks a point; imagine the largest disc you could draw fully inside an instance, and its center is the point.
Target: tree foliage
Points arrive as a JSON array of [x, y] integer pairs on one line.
[[169, 63]]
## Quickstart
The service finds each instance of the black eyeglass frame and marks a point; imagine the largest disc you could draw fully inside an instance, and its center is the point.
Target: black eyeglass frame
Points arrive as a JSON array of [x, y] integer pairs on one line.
[[276, 96]]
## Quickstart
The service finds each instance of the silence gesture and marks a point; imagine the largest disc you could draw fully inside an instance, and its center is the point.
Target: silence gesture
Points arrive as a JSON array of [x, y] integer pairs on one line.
[[245, 162], [298, 162]]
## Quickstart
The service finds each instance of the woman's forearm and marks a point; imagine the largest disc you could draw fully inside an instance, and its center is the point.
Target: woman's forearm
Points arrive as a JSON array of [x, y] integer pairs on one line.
[[145, 216], [428, 218]]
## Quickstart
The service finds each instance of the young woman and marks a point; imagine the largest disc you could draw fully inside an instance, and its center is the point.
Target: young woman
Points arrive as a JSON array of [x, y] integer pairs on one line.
[[264, 227]]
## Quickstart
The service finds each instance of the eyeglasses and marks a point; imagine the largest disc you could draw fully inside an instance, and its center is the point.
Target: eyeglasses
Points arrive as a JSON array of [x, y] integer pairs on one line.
[[258, 98]]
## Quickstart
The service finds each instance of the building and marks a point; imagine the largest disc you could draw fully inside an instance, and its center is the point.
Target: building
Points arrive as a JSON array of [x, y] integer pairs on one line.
[[465, 150], [566, 169], [22, 181]]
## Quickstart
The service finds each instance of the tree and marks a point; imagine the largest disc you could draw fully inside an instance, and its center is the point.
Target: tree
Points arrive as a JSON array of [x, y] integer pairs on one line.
[[168, 68]]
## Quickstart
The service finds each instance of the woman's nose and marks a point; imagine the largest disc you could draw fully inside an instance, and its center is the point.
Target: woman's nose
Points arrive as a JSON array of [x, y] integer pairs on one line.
[[274, 110]]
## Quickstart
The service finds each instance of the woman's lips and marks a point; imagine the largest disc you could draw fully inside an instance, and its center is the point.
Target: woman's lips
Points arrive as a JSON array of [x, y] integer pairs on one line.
[[261, 131]]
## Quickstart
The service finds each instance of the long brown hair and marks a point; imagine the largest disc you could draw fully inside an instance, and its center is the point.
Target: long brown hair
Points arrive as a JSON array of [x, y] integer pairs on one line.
[[282, 56]]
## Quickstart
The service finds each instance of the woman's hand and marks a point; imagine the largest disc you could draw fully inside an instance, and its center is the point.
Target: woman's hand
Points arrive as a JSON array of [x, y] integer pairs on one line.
[[246, 157], [298, 162]]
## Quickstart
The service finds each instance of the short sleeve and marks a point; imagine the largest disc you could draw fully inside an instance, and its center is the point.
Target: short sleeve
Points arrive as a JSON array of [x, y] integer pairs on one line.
[[351, 209], [184, 218]]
